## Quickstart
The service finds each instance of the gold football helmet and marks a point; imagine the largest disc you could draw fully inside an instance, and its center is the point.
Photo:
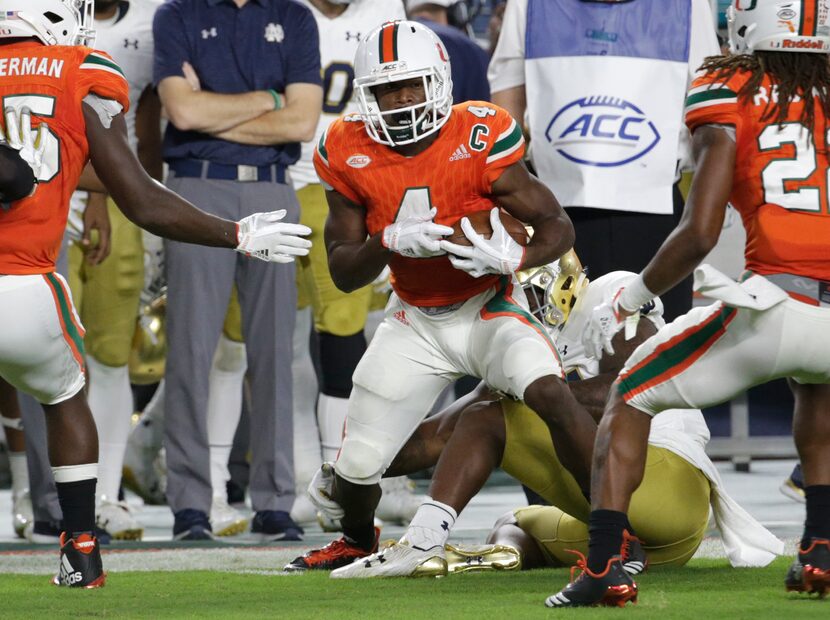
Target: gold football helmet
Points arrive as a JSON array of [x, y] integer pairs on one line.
[[552, 290], [149, 351]]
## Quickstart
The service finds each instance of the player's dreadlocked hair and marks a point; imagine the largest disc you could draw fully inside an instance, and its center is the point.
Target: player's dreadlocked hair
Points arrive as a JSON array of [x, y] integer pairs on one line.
[[793, 73]]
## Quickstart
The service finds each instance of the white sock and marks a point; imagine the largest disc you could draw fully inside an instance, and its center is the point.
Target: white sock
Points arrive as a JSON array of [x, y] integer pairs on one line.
[[19, 471], [224, 408], [431, 525], [111, 401], [331, 415], [307, 458]]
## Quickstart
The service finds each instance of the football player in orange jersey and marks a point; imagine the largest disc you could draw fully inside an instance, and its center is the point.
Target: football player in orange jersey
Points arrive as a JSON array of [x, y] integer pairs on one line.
[[398, 176], [760, 133], [45, 67]]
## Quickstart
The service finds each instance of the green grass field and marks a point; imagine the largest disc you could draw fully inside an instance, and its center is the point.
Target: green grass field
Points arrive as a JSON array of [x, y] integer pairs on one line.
[[706, 589]]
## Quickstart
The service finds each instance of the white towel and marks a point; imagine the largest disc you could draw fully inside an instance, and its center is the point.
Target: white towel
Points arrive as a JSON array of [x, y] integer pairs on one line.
[[755, 293]]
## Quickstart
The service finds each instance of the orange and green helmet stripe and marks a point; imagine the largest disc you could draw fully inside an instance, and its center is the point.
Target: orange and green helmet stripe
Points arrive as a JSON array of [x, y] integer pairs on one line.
[[809, 18], [388, 42]]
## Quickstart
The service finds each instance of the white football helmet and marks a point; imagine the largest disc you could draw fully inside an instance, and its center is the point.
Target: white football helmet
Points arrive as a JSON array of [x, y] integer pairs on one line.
[[53, 22], [778, 26], [403, 50], [552, 290]]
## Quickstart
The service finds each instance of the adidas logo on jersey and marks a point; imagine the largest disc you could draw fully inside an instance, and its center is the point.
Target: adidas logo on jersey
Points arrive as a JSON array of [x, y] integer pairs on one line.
[[400, 316], [460, 153]]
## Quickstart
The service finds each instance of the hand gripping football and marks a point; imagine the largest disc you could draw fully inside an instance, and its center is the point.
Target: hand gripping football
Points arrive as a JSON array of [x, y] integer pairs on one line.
[[480, 221]]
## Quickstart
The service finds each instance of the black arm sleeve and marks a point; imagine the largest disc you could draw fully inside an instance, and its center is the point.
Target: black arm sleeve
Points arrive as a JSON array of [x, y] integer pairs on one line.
[[16, 178]]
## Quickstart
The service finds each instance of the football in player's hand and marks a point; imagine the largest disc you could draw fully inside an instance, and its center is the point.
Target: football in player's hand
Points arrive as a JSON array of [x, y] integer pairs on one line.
[[480, 221]]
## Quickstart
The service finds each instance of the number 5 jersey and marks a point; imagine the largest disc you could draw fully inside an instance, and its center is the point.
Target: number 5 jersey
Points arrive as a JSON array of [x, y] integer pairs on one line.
[[52, 81]]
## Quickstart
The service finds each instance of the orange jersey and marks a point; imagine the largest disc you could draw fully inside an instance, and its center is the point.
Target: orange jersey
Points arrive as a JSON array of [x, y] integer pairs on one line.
[[455, 175], [52, 81], [779, 183]]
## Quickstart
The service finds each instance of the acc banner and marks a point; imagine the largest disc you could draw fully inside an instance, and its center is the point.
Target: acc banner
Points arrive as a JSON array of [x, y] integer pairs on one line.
[[605, 89]]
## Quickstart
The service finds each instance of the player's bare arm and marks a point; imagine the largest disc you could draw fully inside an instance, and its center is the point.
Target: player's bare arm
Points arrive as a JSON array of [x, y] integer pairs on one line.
[[296, 122], [714, 151], [527, 199], [355, 259], [206, 112], [144, 201]]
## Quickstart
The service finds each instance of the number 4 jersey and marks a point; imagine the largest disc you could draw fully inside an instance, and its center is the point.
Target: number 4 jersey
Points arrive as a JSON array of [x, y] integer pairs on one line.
[[455, 174], [52, 81], [780, 180]]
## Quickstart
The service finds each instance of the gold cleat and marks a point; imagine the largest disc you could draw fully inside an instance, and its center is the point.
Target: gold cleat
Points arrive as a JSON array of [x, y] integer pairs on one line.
[[482, 557], [433, 567]]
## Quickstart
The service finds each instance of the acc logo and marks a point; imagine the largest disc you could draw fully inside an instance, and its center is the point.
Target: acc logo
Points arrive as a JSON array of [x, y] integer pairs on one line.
[[601, 131], [359, 161]]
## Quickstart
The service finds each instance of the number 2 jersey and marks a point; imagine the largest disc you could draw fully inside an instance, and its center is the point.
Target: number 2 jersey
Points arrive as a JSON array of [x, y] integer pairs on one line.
[[780, 180], [52, 81], [455, 174]]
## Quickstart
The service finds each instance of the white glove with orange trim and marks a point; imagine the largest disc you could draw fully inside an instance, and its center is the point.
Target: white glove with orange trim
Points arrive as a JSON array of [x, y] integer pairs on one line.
[[264, 236], [415, 236], [19, 136]]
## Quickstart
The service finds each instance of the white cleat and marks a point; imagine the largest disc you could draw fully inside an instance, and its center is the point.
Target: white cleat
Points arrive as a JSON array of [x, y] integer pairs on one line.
[[116, 519], [226, 520], [22, 514], [396, 559], [399, 503], [144, 472]]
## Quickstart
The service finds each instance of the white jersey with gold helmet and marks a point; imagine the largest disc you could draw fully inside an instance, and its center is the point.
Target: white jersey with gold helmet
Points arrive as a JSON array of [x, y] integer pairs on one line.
[[339, 38], [128, 38]]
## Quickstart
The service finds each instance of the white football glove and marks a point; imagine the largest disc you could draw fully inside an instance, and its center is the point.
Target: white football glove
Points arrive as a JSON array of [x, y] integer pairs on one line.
[[264, 236], [415, 236], [19, 136], [320, 491], [605, 322], [499, 254]]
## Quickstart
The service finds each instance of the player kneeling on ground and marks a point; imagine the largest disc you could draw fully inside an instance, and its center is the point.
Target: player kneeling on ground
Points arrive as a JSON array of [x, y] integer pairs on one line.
[[83, 93], [670, 510]]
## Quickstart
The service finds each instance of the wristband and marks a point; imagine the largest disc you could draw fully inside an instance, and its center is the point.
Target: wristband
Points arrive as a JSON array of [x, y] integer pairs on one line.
[[635, 294], [277, 99]]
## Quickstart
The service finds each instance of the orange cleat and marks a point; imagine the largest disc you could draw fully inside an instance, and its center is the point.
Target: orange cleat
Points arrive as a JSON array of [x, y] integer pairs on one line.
[[810, 572], [81, 565], [337, 553], [612, 587]]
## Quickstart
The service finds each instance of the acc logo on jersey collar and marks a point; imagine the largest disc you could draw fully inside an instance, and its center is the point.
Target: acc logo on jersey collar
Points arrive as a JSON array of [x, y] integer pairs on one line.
[[601, 131], [358, 160]]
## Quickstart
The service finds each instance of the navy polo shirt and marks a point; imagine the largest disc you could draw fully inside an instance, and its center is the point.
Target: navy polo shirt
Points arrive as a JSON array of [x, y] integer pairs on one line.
[[468, 63], [265, 44]]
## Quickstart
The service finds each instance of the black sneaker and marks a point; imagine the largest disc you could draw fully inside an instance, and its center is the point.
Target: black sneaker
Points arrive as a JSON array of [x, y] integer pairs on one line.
[[191, 524], [611, 587], [336, 554], [80, 563], [810, 572], [275, 525], [634, 560]]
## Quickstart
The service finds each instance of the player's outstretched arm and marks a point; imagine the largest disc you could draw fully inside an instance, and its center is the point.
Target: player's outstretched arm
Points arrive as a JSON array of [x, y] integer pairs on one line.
[[527, 199], [144, 201], [355, 259], [699, 228]]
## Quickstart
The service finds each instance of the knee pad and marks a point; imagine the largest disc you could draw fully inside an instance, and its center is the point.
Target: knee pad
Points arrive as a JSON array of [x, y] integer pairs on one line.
[[359, 462], [339, 356]]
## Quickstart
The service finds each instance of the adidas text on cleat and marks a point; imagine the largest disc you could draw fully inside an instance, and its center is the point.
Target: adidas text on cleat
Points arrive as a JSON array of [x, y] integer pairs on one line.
[[396, 559], [80, 565], [482, 557], [340, 552], [634, 560], [611, 587], [810, 572]]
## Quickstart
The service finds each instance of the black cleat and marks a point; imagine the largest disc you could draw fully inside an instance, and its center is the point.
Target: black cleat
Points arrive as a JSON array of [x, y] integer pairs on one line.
[[810, 571], [612, 587], [634, 560], [80, 563], [337, 553]]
